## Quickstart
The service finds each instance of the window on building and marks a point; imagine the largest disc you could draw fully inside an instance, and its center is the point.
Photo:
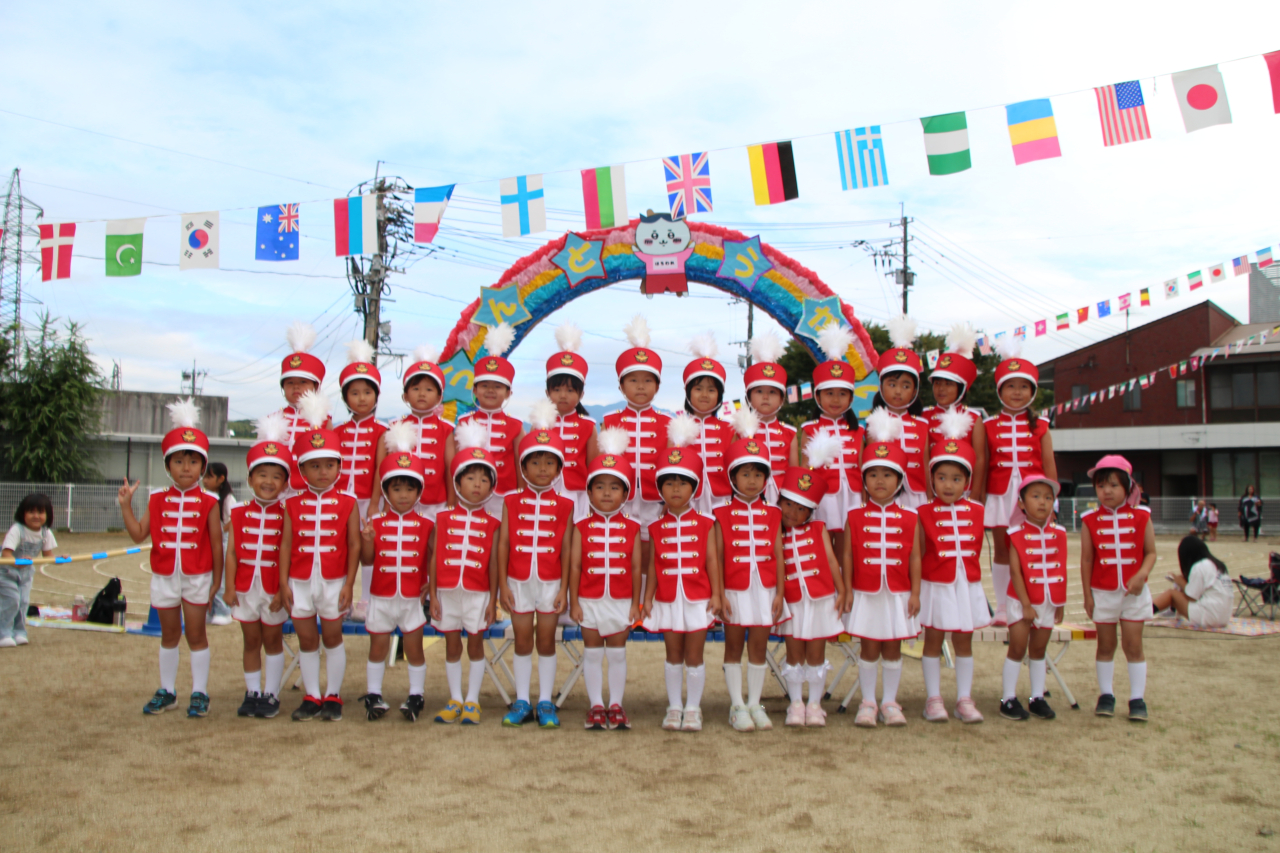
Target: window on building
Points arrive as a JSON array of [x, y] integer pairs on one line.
[[1133, 399], [1231, 472], [1268, 385], [1246, 386], [1078, 391], [1220, 389], [1242, 389], [1186, 392]]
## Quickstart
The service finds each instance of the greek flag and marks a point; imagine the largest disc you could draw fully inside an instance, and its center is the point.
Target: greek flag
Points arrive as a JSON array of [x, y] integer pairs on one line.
[[861, 155]]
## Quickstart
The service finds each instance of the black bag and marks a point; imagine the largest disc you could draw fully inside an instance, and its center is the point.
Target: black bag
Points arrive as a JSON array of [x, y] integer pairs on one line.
[[104, 607]]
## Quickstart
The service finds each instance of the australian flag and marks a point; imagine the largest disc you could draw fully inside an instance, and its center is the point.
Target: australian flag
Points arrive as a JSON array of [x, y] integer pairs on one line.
[[277, 233]]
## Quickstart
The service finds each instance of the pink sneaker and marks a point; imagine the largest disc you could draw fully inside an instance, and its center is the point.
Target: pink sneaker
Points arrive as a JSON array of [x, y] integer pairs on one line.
[[934, 710], [1001, 619], [967, 712], [866, 717], [795, 714], [815, 716], [891, 713]]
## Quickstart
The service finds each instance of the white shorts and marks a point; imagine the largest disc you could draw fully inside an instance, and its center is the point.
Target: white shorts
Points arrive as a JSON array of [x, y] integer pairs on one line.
[[681, 616], [168, 591], [494, 504], [833, 510], [430, 511], [461, 610], [753, 607], [999, 508], [1112, 605], [608, 616], [1197, 616], [312, 598], [957, 606], [881, 616], [534, 595], [255, 606], [1045, 612], [812, 619], [581, 503], [643, 513], [387, 614]]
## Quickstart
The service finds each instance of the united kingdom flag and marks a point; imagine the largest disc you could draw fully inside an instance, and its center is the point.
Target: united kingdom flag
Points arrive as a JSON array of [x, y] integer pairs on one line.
[[688, 183]]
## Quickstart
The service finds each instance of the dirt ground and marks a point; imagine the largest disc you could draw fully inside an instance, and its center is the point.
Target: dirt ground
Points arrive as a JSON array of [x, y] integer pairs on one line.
[[84, 768]]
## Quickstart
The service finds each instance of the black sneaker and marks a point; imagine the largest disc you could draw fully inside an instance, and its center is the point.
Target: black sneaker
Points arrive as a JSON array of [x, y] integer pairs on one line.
[[1137, 711], [249, 707], [199, 706], [1040, 708], [1011, 709], [412, 707], [374, 707], [268, 706], [162, 701], [331, 709], [308, 710], [1106, 706]]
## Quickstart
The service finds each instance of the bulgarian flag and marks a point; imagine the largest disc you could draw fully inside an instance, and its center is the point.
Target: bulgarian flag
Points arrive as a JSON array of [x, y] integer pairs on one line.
[[604, 195], [946, 142]]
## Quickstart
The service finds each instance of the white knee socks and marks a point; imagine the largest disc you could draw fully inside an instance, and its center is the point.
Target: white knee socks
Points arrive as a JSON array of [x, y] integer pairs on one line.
[[1009, 680], [453, 675], [817, 678], [892, 675], [546, 677], [617, 674], [274, 671], [373, 673], [335, 660], [867, 679], [200, 671], [253, 681], [793, 677], [1037, 668], [593, 675], [168, 668], [417, 679], [964, 677], [932, 668], [1000, 581], [522, 665], [309, 663], [1106, 670], [475, 678], [1137, 679], [755, 681], [674, 673], [696, 679], [733, 680]]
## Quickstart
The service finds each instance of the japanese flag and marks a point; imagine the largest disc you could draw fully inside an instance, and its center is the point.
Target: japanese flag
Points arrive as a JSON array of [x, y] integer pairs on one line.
[[1218, 272], [1202, 98]]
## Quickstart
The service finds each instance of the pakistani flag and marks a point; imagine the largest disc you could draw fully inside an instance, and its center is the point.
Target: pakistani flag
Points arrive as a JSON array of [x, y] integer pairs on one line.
[[124, 246], [946, 141]]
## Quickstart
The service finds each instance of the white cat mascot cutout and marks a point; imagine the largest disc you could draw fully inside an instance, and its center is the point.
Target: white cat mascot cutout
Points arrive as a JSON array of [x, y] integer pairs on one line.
[[664, 244]]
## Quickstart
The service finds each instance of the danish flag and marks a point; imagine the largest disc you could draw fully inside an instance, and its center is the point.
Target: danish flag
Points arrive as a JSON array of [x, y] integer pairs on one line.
[[55, 249]]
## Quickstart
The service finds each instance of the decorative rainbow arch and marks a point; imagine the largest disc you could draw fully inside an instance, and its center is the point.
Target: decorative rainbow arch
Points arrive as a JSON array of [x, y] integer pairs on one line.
[[537, 285]]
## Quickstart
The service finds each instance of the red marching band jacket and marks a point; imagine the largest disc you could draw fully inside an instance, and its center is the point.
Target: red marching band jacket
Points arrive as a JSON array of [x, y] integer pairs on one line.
[[934, 414], [952, 540], [915, 432], [1117, 537], [536, 522], [607, 545], [1012, 444], [647, 431], [433, 434], [318, 524], [805, 557], [257, 530], [714, 438], [750, 532], [503, 432], [680, 555], [297, 426], [359, 445], [400, 554], [847, 461], [180, 531], [1042, 556], [575, 432], [882, 541], [464, 541]]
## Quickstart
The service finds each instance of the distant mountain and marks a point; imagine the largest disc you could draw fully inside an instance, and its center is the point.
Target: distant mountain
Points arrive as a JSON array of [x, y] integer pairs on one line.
[[598, 412]]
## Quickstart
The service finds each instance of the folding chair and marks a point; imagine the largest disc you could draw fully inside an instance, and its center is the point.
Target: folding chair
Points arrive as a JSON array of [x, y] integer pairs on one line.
[[1258, 597]]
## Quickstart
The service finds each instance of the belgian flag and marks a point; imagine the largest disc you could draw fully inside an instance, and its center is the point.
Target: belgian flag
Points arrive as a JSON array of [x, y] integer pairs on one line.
[[773, 172]]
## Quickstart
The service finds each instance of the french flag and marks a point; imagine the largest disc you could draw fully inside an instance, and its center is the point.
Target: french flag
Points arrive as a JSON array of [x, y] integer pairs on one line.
[[355, 225], [428, 209]]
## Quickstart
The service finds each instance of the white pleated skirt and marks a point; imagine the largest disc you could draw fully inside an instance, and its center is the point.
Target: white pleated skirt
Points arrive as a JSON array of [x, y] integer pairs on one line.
[[834, 509], [681, 616], [607, 615], [881, 616], [812, 619], [958, 606], [1000, 508], [753, 607]]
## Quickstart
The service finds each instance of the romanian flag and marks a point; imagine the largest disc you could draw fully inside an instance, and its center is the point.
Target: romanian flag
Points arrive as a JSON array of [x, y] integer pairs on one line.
[[1145, 296], [1032, 131], [773, 172], [604, 195], [1082, 314], [1064, 322]]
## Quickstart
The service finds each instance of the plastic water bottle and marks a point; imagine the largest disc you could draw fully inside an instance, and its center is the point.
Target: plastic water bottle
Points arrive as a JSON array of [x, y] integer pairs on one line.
[[79, 610]]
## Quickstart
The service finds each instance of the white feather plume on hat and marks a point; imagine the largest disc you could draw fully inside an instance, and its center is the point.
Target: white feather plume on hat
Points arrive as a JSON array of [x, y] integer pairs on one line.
[[823, 448], [568, 337], [542, 414], [882, 426], [184, 413], [834, 340], [1009, 347], [637, 331], [314, 408], [401, 437], [682, 430], [471, 434], [301, 336], [272, 427], [962, 339], [954, 424], [426, 352], [499, 338], [745, 422], [766, 347], [359, 351], [704, 346], [613, 441], [902, 331]]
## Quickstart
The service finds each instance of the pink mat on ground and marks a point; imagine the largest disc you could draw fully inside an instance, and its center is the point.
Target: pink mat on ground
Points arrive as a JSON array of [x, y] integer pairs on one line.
[[1238, 626]]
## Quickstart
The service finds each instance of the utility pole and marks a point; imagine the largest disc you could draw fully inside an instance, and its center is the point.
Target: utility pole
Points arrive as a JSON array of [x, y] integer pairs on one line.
[[195, 377], [905, 277], [377, 272], [19, 219], [751, 328]]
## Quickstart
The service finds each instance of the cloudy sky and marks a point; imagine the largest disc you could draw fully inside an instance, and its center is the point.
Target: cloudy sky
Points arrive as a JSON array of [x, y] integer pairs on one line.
[[128, 110]]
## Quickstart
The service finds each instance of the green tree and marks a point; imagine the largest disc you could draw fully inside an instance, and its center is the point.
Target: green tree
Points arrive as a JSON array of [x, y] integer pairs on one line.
[[50, 407]]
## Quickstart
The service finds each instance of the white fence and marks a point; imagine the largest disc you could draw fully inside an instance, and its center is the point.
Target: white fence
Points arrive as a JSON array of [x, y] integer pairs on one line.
[[1172, 516]]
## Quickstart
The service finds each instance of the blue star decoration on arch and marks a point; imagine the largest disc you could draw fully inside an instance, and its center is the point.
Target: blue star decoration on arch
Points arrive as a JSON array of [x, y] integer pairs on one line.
[[580, 259], [818, 313], [744, 262], [501, 305]]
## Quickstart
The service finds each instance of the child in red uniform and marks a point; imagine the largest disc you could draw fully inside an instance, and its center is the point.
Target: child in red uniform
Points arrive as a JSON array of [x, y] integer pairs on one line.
[[319, 555], [1117, 554], [186, 555], [397, 544], [362, 447], [604, 581], [566, 378], [423, 392], [683, 585], [749, 550], [881, 562], [1017, 442], [533, 565], [951, 596], [253, 567], [1037, 592], [639, 377], [300, 372], [464, 573], [492, 388], [766, 384], [704, 379], [951, 380], [899, 369]]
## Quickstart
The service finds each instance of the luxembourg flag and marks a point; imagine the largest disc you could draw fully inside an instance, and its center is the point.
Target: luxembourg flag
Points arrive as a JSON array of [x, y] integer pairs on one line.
[[355, 225], [428, 209]]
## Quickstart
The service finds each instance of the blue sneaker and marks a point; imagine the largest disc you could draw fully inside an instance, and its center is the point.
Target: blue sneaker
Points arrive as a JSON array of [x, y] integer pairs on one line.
[[521, 712], [199, 706], [547, 716], [161, 702]]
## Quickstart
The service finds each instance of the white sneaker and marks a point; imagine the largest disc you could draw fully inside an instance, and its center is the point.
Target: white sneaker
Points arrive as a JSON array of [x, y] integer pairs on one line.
[[740, 719], [8, 643], [760, 717], [671, 722], [21, 640], [692, 720], [221, 619]]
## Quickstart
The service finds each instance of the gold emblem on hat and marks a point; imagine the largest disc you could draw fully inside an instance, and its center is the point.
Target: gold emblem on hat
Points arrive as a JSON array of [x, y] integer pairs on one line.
[[642, 356], [900, 356], [768, 370], [296, 361], [271, 450], [566, 359], [477, 453], [362, 368], [491, 365], [708, 364], [542, 437], [951, 447], [805, 482], [317, 440], [881, 451], [427, 366], [675, 457], [608, 461], [188, 435], [945, 361], [752, 447], [837, 370], [405, 460], [1015, 365]]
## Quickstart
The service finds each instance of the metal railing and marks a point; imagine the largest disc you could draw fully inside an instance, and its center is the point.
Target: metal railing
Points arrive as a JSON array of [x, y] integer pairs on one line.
[[1172, 516]]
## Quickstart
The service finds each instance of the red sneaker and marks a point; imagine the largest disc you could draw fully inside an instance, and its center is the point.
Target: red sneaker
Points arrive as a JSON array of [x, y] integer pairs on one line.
[[618, 718], [597, 719]]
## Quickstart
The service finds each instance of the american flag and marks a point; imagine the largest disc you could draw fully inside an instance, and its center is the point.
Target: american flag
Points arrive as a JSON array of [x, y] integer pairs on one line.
[[1123, 113], [688, 183]]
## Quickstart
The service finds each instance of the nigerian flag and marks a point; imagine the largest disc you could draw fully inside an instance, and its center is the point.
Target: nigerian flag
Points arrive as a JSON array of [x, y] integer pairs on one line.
[[124, 246], [946, 141]]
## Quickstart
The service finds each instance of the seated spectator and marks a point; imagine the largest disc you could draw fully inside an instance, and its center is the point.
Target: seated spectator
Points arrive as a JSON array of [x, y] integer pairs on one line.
[[1203, 595]]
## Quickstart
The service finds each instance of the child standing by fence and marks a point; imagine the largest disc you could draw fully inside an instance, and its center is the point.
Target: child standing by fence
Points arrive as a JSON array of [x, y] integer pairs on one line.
[[31, 536]]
